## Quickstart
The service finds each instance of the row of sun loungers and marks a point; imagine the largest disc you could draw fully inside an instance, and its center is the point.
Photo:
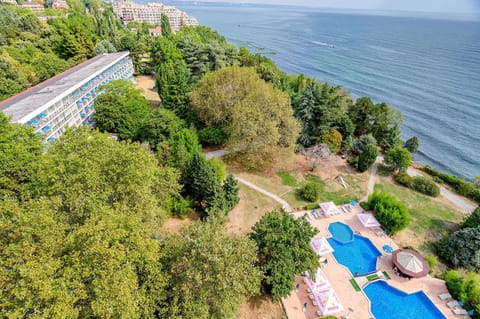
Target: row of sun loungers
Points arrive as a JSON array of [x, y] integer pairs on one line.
[[346, 208], [455, 305]]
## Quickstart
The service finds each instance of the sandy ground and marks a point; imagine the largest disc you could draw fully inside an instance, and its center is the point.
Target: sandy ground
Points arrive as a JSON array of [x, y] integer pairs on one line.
[[147, 84], [339, 276]]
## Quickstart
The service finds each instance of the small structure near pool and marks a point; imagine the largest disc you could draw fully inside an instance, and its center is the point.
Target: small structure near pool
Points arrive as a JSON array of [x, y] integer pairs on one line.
[[410, 263]]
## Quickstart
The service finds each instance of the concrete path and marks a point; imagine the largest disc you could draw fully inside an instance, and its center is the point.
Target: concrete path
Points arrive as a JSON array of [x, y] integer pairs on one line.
[[459, 201], [373, 175], [286, 206]]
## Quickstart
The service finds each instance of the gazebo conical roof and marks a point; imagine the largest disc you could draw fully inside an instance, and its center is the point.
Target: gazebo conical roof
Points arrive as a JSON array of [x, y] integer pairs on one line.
[[410, 263]]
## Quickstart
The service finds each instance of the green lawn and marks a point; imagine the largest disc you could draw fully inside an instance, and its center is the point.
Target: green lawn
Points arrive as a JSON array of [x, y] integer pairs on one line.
[[287, 179], [427, 214]]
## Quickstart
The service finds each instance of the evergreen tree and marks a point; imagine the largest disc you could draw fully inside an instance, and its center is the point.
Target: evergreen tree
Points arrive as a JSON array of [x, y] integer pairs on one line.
[[367, 158], [165, 24], [230, 188], [173, 85], [392, 138], [412, 144]]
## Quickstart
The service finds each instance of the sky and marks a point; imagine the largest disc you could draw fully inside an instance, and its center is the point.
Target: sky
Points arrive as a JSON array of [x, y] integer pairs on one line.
[[441, 6]]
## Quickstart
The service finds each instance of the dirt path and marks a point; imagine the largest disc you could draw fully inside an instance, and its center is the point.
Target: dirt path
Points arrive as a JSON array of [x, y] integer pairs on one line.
[[286, 206], [459, 201]]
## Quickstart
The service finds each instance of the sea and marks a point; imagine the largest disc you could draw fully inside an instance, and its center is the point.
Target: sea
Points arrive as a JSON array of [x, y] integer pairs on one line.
[[428, 67]]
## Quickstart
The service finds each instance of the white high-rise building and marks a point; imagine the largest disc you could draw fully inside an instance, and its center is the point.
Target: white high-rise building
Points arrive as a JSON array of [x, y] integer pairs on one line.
[[67, 99], [151, 13]]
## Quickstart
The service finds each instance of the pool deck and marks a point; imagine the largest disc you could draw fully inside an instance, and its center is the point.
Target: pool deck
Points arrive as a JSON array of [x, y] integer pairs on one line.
[[339, 276]]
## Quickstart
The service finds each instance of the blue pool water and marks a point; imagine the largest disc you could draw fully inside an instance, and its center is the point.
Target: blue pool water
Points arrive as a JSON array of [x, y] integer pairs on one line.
[[388, 302], [359, 255], [341, 232]]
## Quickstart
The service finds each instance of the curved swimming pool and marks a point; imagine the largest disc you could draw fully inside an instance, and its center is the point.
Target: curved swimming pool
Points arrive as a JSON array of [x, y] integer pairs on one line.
[[388, 302], [355, 252]]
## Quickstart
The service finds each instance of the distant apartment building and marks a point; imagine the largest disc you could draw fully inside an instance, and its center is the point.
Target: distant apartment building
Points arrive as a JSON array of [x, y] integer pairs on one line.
[[151, 13], [14, 2], [156, 32], [59, 4], [67, 99], [35, 7]]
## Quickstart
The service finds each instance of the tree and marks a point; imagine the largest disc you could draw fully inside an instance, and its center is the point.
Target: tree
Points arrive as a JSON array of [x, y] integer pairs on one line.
[[173, 84], [391, 139], [412, 144], [160, 126], [211, 271], [425, 186], [390, 213], [367, 158], [20, 150], [231, 189], [361, 143], [121, 109], [258, 117], [283, 248], [76, 171], [103, 47], [472, 220], [462, 248], [398, 159], [165, 25], [182, 147], [311, 192], [333, 139]]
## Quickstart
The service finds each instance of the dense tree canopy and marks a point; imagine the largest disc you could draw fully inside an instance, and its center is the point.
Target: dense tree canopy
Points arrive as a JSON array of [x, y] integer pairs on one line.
[[210, 271], [392, 214], [283, 244], [257, 117], [462, 248]]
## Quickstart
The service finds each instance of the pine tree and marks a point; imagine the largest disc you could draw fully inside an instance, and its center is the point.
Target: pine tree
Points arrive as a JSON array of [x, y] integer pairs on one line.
[[165, 24], [230, 188]]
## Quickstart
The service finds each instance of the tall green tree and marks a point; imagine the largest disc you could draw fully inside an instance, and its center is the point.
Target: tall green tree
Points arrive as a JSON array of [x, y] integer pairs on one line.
[[367, 158], [258, 117], [20, 150], [462, 248], [412, 144], [211, 271], [391, 138], [121, 109], [398, 159], [230, 188], [173, 84], [283, 248], [165, 24]]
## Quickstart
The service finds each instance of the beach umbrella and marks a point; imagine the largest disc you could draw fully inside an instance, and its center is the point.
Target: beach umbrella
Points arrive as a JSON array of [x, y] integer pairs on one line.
[[410, 263], [368, 220], [321, 246]]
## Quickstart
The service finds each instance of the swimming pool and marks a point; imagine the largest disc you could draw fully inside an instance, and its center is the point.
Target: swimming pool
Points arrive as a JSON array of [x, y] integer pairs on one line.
[[355, 252], [388, 302]]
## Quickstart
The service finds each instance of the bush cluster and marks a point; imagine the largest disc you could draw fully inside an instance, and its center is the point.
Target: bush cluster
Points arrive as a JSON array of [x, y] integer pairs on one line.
[[311, 191], [420, 184], [390, 213], [466, 288], [461, 186]]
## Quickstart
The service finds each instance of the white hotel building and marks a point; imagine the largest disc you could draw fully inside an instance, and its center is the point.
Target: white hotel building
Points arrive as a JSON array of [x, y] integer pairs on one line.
[[67, 99]]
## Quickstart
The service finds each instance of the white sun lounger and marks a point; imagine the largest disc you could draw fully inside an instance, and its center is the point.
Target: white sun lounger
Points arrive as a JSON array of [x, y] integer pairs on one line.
[[452, 304], [460, 311], [445, 296]]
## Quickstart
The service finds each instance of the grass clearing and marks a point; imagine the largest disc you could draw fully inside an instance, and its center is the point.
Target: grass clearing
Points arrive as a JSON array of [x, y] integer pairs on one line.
[[286, 178], [252, 206]]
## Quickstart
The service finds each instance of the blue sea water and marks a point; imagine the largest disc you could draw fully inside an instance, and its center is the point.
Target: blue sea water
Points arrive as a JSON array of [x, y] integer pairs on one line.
[[427, 68]]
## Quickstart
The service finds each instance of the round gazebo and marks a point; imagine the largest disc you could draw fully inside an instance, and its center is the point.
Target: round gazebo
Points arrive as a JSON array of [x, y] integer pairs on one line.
[[410, 263]]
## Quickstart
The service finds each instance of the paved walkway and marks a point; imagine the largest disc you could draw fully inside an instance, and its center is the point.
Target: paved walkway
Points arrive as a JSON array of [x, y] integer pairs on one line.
[[373, 175]]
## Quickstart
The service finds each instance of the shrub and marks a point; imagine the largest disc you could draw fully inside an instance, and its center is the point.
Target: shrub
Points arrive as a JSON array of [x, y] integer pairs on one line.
[[425, 186], [466, 288], [353, 161], [333, 139], [462, 248], [311, 192], [461, 186], [390, 213], [473, 220], [398, 158], [311, 206], [361, 143], [432, 262], [404, 179]]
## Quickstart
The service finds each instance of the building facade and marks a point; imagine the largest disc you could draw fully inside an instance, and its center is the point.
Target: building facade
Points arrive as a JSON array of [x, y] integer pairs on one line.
[[67, 99], [151, 13], [59, 4], [35, 7]]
